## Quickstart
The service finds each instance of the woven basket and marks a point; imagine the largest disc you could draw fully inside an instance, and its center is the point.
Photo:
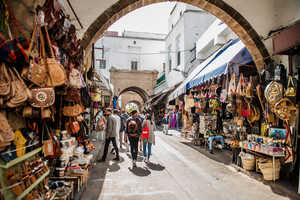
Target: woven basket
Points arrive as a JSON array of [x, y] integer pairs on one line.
[[248, 163], [267, 170]]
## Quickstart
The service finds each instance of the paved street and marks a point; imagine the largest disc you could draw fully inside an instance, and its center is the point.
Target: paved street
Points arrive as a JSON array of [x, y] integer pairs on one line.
[[177, 172]]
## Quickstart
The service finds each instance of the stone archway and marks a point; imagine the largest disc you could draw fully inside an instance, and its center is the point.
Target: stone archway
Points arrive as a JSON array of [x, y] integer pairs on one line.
[[142, 93], [141, 82], [219, 8]]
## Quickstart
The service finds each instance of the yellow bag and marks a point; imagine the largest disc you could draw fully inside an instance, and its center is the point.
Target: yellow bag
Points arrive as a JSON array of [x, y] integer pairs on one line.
[[96, 97], [20, 141], [291, 90]]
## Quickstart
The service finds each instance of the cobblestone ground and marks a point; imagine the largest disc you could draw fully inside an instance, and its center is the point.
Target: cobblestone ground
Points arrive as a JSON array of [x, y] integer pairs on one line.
[[176, 172]]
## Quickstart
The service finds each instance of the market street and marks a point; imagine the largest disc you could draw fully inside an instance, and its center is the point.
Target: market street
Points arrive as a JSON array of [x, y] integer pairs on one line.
[[176, 172]]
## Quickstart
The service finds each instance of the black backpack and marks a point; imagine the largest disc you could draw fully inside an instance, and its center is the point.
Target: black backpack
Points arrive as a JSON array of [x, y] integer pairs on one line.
[[132, 126]]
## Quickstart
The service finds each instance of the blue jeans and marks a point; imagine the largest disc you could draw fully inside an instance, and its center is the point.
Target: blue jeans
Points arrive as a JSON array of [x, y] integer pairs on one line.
[[212, 138], [145, 144]]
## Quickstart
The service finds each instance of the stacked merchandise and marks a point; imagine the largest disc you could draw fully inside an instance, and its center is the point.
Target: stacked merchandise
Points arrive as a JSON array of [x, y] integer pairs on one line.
[[261, 123], [43, 101]]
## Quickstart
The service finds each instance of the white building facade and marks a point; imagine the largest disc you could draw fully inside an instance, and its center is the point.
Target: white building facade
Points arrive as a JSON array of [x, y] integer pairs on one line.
[[186, 25], [130, 51], [213, 38]]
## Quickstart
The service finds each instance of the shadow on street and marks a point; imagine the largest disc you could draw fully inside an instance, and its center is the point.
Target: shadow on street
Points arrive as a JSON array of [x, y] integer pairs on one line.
[[139, 171], [155, 166]]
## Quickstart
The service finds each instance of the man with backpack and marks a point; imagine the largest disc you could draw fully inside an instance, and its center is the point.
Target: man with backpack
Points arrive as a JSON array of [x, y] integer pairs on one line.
[[133, 132]]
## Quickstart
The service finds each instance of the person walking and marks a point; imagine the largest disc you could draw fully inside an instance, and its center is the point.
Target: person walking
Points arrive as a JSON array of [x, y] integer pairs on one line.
[[125, 117], [148, 137], [100, 125], [165, 122], [117, 128], [133, 132], [110, 134]]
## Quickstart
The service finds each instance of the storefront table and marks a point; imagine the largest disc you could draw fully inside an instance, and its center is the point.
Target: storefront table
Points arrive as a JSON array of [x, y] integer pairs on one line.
[[274, 156]]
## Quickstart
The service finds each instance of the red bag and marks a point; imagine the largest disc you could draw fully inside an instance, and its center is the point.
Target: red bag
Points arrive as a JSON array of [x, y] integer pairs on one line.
[[145, 132], [74, 126]]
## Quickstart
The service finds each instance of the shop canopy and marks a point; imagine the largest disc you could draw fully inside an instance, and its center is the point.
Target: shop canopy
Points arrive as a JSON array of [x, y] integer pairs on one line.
[[216, 65], [181, 89], [234, 53]]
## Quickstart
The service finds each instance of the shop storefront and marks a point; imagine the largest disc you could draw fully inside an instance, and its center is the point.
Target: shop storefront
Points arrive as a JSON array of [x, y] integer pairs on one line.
[[255, 114], [45, 147]]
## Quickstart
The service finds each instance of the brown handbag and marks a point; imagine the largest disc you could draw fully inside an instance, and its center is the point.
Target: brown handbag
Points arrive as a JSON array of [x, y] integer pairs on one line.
[[56, 73], [46, 113], [27, 111], [72, 111], [4, 80], [36, 73], [19, 91], [6, 133], [42, 97]]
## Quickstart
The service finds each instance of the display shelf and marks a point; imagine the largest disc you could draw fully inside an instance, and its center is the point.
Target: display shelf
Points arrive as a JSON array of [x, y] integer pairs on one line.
[[37, 182], [20, 159]]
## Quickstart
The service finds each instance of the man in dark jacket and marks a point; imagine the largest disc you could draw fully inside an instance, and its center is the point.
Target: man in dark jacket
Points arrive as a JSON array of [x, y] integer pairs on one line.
[[110, 134], [133, 132]]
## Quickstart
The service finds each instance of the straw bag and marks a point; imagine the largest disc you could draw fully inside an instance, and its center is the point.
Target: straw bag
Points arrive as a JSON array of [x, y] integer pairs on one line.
[[249, 163], [42, 97], [267, 169], [56, 73]]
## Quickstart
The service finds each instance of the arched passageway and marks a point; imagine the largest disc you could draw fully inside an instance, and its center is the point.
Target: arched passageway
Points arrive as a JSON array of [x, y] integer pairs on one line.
[[220, 9]]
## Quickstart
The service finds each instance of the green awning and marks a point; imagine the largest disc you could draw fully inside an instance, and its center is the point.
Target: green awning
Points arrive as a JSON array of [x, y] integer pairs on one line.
[[161, 79]]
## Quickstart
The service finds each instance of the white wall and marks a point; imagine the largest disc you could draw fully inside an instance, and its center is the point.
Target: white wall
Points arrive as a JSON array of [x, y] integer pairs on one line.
[[190, 25], [120, 51], [213, 38]]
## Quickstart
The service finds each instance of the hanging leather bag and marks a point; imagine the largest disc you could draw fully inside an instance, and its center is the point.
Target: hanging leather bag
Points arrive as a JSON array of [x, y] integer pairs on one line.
[[19, 91], [75, 78], [45, 113], [6, 133], [42, 97], [4, 80], [223, 95], [72, 110], [48, 145], [74, 126], [27, 111], [37, 73], [249, 89], [56, 73], [232, 87], [241, 86]]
